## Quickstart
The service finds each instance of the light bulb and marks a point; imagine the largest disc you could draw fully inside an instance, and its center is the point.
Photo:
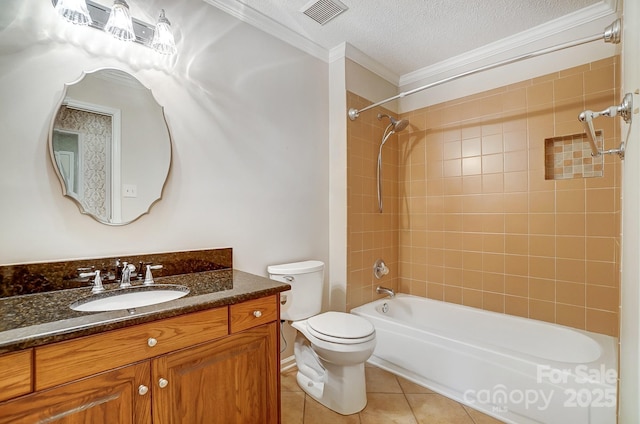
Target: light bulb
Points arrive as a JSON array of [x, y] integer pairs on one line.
[[163, 41], [119, 24], [74, 11]]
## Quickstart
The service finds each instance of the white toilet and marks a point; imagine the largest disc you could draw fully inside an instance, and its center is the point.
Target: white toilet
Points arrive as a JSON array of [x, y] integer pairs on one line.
[[330, 348]]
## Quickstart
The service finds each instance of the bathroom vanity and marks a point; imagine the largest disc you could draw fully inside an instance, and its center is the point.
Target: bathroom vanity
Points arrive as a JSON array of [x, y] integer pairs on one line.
[[210, 357]]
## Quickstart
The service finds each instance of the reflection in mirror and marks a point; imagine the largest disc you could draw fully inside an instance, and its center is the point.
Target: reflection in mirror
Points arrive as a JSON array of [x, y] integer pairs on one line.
[[110, 146]]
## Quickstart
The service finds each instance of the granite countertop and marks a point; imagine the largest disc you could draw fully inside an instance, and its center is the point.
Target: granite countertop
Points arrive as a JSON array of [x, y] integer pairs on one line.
[[37, 319]]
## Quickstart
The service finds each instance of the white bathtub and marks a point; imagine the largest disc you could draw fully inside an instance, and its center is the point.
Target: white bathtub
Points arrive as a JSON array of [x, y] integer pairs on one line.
[[515, 369]]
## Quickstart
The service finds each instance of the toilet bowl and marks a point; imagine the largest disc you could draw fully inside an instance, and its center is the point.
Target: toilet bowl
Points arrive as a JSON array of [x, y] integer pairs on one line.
[[331, 347]]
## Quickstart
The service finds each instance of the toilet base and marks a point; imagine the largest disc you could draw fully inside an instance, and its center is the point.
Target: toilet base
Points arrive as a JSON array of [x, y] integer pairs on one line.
[[341, 388]]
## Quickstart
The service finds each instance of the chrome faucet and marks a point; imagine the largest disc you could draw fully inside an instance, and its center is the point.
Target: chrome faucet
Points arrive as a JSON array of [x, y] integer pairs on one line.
[[385, 290], [97, 282], [125, 281]]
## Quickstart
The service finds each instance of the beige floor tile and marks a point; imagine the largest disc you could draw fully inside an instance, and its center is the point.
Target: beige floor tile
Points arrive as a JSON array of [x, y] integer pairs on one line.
[[288, 381], [387, 408], [480, 418], [292, 407], [437, 409], [315, 413], [391, 400], [409, 387], [381, 381]]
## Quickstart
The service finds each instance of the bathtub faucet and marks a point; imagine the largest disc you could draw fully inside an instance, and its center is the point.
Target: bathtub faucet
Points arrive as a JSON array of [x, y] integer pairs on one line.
[[384, 290]]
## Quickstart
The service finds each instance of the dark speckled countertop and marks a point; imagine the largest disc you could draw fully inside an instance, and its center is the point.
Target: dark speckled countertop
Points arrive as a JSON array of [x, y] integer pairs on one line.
[[37, 319]]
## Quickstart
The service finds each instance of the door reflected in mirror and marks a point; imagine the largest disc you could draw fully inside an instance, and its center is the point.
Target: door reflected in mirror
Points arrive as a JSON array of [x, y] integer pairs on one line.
[[110, 146]]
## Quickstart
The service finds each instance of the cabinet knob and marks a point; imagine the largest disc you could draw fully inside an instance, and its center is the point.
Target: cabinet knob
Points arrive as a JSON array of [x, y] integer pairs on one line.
[[142, 390], [257, 314], [162, 383], [152, 342]]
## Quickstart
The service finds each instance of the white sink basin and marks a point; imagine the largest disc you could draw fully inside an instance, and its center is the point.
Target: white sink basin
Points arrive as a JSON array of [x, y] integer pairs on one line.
[[134, 297]]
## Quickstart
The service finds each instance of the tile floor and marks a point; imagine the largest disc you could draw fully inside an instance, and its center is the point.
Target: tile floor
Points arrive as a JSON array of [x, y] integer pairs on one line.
[[391, 399]]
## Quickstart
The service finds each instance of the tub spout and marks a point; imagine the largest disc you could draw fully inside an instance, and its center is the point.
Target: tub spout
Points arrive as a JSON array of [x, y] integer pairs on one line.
[[384, 290]]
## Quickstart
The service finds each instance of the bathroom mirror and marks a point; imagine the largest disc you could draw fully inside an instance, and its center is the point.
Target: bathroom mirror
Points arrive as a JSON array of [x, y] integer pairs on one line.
[[110, 146]]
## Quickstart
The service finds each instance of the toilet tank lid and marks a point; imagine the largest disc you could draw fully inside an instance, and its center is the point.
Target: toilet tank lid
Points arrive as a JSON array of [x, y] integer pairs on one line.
[[295, 268]]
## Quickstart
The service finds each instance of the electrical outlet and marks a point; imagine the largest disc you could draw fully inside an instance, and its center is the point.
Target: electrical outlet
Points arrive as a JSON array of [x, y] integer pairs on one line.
[[130, 190]]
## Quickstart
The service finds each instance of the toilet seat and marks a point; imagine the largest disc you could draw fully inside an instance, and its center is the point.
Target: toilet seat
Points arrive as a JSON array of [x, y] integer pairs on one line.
[[340, 327]]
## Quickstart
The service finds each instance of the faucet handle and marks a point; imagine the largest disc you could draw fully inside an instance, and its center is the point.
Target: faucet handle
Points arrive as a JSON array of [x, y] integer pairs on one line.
[[97, 282], [87, 274], [148, 279], [380, 269]]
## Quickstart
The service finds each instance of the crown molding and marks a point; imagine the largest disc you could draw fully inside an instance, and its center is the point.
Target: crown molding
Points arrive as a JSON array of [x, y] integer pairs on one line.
[[268, 25], [516, 44], [374, 66], [338, 52]]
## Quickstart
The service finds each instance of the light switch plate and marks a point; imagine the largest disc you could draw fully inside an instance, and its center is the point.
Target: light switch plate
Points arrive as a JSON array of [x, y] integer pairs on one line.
[[129, 190]]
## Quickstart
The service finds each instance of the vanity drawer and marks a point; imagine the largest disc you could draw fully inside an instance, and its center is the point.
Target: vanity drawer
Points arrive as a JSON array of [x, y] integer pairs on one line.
[[253, 313], [16, 374], [69, 360]]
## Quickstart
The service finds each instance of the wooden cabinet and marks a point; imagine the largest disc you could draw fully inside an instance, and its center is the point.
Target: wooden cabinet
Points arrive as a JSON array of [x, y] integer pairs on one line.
[[16, 374], [65, 361], [196, 381], [252, 313], [110, 397], [215, 366]]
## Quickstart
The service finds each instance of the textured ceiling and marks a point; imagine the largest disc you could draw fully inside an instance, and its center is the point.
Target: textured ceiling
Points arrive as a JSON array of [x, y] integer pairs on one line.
[[408, 35]]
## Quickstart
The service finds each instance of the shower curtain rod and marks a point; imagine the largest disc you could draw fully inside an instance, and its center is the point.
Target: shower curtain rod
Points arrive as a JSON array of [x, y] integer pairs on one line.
[[611, 34]]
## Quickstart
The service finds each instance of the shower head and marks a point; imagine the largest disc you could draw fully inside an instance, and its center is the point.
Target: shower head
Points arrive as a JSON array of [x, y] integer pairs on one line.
[[397, 125], [400, 125]]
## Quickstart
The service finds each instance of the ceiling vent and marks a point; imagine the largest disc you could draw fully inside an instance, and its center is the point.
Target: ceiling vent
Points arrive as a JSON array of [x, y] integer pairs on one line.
[[322, 11]]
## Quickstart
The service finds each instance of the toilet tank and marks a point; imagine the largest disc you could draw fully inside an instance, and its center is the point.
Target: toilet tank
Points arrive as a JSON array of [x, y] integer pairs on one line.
[[306, 278]]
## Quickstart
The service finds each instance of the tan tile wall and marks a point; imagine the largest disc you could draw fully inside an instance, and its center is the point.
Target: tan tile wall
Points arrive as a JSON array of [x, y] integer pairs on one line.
[[477, 223], [371, 235]]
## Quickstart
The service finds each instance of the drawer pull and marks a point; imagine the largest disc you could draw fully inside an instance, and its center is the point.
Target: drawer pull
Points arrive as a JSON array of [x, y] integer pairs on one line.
[[152, 342], [162, 383], [257, 314], [142, 390]]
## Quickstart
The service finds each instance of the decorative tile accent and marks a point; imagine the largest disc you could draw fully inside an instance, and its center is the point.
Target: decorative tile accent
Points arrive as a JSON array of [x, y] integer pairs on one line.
[[570, 156]]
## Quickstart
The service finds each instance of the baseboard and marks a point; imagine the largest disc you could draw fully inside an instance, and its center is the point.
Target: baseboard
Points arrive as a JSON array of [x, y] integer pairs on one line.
[[287, 363]]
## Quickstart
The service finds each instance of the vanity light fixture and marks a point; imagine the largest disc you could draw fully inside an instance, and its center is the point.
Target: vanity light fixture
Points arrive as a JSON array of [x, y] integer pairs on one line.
[[74, 11], [119, 23], [163, 41]]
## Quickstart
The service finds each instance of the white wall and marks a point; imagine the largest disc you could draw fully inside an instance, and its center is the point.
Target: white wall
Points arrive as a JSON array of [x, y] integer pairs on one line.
[[629, 399], [338, 186], [367, 84], [249, 119]]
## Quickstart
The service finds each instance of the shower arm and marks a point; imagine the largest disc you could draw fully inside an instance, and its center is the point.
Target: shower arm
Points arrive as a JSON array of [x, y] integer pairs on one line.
[[625, 110], [611, 34]]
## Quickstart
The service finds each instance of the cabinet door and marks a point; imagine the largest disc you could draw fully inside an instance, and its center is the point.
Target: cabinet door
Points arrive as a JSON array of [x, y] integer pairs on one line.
[[16, 374], [233, 380], [108, 398]]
